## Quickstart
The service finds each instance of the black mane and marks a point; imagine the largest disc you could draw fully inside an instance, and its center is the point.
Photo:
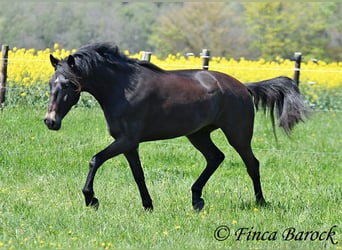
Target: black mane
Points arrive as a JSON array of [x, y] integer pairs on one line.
[[96, 54]]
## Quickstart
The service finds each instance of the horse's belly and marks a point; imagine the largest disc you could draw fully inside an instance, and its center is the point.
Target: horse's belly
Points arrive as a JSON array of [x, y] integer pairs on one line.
[[178, 121]]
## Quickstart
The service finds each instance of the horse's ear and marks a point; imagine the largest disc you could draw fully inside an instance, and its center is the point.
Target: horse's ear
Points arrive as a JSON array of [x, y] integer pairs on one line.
[[54, 61], [71, 61]]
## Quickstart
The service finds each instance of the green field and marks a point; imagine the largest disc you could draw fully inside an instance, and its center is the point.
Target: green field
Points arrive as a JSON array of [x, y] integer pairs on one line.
[[42, 173]]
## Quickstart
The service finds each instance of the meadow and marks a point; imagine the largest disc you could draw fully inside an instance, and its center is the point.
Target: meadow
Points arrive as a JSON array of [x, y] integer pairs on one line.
[[42, 172]]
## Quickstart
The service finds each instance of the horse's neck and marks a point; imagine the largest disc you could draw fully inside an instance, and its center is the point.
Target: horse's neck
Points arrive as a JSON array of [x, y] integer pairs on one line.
[[110, 96]]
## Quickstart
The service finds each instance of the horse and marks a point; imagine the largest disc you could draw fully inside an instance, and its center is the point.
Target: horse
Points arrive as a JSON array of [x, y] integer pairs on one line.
[[142, 102]]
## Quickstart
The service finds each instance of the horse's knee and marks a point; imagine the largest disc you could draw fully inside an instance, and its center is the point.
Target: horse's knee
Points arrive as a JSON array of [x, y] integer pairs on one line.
[[93, 163]]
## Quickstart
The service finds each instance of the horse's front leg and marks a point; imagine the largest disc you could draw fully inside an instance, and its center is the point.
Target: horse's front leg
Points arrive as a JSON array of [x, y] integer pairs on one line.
[[117, 147], [138, 174]]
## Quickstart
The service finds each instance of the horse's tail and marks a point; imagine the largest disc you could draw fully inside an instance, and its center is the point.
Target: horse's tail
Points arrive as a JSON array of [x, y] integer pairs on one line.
[[282, 94]]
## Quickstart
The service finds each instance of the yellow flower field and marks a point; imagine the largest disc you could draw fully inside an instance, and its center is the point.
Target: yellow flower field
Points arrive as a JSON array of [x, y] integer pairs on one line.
[[321, 75], [30, 67]]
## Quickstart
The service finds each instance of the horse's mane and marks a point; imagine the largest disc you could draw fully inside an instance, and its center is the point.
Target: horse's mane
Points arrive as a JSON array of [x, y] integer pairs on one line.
[[97, 53]]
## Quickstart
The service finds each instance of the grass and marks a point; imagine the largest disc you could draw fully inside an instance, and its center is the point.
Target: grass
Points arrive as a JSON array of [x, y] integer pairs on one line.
[[42, 173]]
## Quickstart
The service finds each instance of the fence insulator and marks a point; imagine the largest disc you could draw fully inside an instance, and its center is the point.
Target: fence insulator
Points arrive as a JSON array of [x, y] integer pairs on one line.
[[146, 56], [297, 59], [205, 59]]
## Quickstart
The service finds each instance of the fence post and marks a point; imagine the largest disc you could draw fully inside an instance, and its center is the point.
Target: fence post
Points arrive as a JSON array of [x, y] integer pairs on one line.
[[297, 59], [146, 56], [3, 74], [205, 59]]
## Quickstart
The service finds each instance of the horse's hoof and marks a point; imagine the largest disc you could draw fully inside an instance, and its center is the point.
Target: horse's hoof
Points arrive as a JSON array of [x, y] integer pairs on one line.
[[94, 203], [148, 208], [261, 203], [198, 206]]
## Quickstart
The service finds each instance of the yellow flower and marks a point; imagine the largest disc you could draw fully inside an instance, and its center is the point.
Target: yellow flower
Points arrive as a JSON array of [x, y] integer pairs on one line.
[[165, 232], [31, 68]]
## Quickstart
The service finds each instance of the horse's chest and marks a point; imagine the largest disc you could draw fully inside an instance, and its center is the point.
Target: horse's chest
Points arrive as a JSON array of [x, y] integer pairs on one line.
[[124, 127]]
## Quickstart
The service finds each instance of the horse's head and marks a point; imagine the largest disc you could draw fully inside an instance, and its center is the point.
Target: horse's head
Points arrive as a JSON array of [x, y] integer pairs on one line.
[[64, 91]]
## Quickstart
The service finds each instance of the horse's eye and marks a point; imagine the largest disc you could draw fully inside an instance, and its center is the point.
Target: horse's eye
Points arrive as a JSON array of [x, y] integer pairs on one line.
[[64, 85]]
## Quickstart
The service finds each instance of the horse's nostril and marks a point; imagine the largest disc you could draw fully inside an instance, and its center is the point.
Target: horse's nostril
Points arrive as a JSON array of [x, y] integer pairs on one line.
[[49, 123]]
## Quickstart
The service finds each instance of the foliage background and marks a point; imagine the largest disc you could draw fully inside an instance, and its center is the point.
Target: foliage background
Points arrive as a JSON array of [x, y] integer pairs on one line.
[[230, 29]]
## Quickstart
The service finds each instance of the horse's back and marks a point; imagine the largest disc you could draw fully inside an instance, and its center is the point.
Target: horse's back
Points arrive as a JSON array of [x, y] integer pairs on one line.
[[223, 93], [185, 101], [232, 94]]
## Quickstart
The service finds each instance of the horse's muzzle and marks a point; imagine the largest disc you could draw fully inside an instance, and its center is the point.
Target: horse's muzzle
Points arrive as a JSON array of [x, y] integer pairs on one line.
[[51, 122]]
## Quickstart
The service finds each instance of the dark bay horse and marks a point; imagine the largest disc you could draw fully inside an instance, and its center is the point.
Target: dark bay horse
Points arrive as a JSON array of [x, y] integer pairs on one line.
[[142, 102]]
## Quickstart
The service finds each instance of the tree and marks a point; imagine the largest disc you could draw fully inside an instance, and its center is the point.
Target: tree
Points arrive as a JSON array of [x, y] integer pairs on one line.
[[73, 24], [231, 29], [334, 49], [136, 22], [281, 28], [190, 27]]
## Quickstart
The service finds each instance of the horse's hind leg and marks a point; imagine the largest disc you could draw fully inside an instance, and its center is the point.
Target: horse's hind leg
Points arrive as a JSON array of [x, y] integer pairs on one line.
[[202, 141], [240, 139]]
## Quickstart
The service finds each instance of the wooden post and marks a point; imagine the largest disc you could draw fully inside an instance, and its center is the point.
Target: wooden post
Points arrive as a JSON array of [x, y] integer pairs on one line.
[[146, 56], [3, 74], [297, 59], [205, 59]]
